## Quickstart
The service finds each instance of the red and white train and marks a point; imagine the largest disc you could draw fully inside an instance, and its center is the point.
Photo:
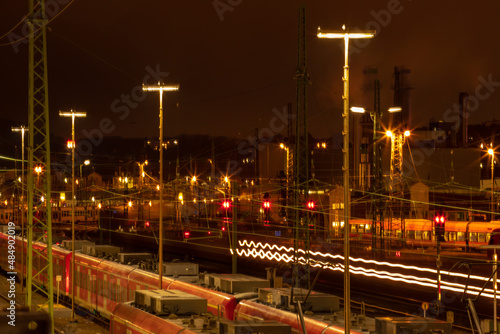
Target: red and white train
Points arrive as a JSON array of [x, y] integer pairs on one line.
[[104, 286]]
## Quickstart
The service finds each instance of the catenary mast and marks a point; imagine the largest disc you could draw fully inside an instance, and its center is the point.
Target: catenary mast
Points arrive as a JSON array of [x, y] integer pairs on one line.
[[301, 152], [39, 199]]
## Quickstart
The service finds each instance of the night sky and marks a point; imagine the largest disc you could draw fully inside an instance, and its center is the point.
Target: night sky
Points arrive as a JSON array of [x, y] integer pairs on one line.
[[235, 61]]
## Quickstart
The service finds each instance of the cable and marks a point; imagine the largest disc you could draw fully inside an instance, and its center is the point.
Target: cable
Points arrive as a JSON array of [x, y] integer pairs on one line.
[[44, 25]]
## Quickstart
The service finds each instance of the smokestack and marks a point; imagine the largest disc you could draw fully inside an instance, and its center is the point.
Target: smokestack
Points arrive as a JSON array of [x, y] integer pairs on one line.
[[402, 98]]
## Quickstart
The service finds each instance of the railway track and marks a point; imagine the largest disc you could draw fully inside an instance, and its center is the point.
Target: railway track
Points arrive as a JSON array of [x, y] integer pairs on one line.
[[386, 305], [376, 299]]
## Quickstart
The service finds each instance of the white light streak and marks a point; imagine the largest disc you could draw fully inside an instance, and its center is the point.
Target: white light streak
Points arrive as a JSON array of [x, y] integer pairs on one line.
[[258, 250]]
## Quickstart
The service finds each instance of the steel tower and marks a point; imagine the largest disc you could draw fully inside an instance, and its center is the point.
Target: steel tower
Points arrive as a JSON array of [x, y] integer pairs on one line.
[[301, 152], [39, 199]]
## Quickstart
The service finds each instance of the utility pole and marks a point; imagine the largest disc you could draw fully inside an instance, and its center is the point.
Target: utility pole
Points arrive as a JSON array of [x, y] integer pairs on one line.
[[400, 125], [39, 212], [301, 155], [377, 202], [234, 236], [160, 88]]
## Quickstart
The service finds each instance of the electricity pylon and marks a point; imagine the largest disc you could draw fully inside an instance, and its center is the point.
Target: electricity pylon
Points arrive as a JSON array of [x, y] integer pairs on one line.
[[39, 199]]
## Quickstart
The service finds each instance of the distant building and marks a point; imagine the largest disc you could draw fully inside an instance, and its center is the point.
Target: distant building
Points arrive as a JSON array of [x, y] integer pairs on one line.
[[419, 201]]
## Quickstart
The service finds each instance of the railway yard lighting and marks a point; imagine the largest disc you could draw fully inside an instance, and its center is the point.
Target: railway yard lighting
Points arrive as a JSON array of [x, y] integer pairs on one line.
[[73, 114], [346, 35], [160, 89], [492, 153]]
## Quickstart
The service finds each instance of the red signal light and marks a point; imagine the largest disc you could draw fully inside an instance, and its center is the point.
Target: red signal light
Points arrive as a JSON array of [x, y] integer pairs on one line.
[[187, 234], [310, 205], [440, 219], [147, 224], [226, 204], [266, 204], [223, 228], [439, 225]]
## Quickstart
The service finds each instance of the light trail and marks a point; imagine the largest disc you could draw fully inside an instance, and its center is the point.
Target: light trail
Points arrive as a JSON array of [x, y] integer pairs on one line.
[[341, 257], [368, 272]]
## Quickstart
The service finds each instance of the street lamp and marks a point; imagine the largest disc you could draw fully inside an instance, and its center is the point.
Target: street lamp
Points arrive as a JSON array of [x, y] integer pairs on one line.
[[83, 195], [492, 153], [86, 163], [22, 129], [142, 172], [287, 164], [73, 114], [346, 35], [160, 89], [288, 174]]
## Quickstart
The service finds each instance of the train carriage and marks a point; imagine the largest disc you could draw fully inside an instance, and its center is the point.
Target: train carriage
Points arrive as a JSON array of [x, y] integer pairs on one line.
[[474, 233], [250, 310], [458, 234], [86, 273], [62, 268], [112, 285], [139, 279], [218, 303], [130, 320], [101, 284], [61, 259]]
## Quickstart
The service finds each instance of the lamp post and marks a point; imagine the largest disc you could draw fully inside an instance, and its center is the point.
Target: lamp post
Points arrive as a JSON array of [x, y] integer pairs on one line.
[[73, 114], [160, 89], [288, 174], [492, 153], [346, 35], [82, 194], [22, 129], [142, 173], [86, 163]]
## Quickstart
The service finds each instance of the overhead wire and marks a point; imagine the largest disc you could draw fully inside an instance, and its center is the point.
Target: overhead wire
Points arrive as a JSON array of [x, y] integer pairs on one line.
[[24, 18]]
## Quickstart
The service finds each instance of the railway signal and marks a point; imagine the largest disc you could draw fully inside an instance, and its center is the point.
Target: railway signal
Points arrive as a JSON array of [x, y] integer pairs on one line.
[[439, 225], [226, 208], [266, 207], [311, 206], [439, 228]]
